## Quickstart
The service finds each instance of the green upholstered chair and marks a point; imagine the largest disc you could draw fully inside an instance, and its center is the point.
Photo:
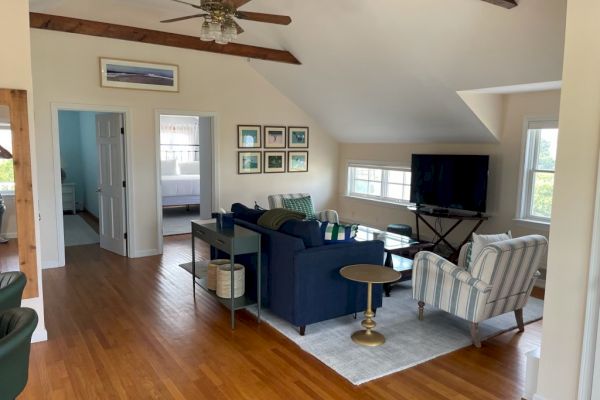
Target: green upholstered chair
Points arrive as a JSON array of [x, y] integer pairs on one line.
[[16, 327], [11, 289]]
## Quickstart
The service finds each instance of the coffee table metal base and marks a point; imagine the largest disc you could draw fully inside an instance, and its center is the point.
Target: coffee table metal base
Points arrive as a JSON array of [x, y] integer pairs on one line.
[[368, 338]]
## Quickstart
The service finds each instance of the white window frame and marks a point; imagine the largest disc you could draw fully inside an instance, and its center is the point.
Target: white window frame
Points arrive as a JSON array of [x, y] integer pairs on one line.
[[528, 170], [385, 168]]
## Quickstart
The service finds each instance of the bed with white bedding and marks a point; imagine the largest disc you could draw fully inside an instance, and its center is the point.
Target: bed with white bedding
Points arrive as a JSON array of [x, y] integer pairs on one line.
[[180, 183]]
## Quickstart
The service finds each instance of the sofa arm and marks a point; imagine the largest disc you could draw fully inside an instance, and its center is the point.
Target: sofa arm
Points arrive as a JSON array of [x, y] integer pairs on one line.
[[328, 216], [311, 289], [440, 283]]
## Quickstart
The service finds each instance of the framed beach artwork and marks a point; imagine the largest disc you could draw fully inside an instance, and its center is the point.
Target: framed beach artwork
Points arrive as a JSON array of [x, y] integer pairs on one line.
[[126, 74], [297, 161], [249, 162], [274, 137], [274, 162], [297, 137], [249, 136]]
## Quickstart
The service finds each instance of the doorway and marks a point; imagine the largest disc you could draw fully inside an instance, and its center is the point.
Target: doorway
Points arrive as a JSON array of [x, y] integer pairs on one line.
[[93, 184], [184, 170]]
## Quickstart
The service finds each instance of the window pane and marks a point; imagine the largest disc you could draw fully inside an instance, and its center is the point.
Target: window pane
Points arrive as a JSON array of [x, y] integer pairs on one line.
[[375, 175], [543, 185], [395, 191], [361, 173], [396, 176], [407, 193], [361, 186], [7, 176], [374, 189], [548, 141]]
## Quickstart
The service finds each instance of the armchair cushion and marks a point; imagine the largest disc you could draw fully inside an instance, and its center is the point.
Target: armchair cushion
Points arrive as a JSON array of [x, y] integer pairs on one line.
[[303, 205], [480, 241], [276, 201], [11, 289]]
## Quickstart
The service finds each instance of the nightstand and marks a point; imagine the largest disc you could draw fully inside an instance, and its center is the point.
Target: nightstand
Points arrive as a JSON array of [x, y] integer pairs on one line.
[[68, 197]]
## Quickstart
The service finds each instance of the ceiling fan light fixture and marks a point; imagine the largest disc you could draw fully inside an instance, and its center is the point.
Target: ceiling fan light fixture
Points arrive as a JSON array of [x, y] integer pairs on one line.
[[205, 34], [215, 29], [229, 31]]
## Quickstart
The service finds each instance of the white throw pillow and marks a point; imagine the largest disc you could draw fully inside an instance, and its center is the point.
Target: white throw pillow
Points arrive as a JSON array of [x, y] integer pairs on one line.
[[168, 167], [189, 167], [480, 241]]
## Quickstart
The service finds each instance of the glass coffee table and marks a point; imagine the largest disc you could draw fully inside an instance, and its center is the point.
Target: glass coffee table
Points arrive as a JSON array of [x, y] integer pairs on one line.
[[369, 274], [399, 250]]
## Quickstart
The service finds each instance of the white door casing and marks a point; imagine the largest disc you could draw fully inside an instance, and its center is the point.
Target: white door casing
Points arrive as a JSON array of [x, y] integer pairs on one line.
[[111, 178]]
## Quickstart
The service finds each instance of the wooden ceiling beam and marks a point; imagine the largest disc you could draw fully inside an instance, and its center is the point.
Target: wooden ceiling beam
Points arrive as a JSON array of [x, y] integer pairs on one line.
[[133, 34], [503, 3]]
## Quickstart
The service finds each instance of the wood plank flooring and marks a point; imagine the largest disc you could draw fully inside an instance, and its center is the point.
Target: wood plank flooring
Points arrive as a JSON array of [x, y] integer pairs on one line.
[[130, 329]]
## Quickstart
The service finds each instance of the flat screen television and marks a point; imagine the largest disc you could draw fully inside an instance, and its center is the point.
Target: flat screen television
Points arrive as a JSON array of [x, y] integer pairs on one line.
[[450, 181]]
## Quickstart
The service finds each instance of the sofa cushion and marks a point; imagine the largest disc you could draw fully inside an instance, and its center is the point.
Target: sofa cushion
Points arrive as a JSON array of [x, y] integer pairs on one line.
[[333, 233], [273, 219], [244, 213], [308, 231], [480, 241], [301, 204]]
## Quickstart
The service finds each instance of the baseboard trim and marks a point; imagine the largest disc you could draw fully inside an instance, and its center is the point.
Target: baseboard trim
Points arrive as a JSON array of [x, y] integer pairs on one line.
[[540, 283], [538, 397], [145, 253], [39, 335], [10, 235]]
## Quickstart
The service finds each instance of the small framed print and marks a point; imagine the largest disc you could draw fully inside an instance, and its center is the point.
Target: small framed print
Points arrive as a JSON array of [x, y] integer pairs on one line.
[[297, 161], [274, 162], [249, 162], [297, 137], [274, 137], [249, 137]]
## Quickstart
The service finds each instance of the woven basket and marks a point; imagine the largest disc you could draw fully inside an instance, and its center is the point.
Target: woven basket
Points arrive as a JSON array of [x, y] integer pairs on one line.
[[224, 281], [211, 276]]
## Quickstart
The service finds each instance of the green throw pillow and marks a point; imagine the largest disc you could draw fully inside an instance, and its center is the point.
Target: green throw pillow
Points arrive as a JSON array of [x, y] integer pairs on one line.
[[301, 204]]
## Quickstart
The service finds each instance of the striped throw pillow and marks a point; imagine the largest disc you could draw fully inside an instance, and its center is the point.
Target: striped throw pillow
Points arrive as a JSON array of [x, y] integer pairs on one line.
[[301, 204], [337, 232]]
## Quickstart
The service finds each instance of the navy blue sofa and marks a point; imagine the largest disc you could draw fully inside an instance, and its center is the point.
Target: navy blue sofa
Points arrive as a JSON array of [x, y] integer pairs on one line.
[[303, 285]]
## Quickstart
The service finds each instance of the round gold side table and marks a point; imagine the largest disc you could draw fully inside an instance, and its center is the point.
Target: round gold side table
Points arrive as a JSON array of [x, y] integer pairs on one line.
[[369, 274]]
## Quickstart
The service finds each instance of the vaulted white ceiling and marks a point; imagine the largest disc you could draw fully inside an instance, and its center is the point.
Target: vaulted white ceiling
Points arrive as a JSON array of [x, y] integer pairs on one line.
[[380, 70]]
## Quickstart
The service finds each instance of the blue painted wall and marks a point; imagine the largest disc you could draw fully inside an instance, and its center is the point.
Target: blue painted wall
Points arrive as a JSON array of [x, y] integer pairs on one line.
[[79, 157], [89, 153]]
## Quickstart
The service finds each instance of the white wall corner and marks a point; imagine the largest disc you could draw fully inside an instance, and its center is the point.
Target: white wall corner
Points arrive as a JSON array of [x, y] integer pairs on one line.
[[40, 334], [488, 107], [145, 253]]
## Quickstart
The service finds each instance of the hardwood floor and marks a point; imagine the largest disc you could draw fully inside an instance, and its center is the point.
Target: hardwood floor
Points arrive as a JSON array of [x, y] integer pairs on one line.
[[130, 329]]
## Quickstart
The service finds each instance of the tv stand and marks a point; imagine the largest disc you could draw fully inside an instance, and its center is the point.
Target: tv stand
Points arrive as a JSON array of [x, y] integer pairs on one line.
[[421, 213]]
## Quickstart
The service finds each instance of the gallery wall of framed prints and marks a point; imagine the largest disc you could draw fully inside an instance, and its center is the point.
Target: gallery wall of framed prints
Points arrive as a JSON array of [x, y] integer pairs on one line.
[[283, 149]]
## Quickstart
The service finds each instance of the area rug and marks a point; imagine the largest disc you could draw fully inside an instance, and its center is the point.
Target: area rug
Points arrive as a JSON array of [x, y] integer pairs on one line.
[[178, 221], [78, 232], [409, 342]]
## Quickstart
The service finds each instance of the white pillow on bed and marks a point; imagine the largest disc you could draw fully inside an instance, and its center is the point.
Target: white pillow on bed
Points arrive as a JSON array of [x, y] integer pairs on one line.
[[168, 167], [189, 167]]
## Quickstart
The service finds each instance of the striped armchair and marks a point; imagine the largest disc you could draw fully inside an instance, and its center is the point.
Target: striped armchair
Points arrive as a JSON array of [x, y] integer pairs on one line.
[[276, 201], [499, 280]]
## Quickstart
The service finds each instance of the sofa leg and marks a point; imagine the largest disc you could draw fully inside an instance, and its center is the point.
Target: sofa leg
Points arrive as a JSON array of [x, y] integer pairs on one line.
[[302, 330], [519, 317], [421, 309], [475, 335]]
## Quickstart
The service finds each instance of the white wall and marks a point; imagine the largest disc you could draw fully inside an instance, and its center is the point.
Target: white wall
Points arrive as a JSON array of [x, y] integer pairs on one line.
[[65, 70], [505, 159], [573, 206], [15, 73]]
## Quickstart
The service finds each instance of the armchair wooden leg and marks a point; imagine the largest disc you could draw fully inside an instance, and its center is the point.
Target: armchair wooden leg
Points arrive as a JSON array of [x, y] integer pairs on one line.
[[475, 335], [519, 317], [302, 330], [421, 309]]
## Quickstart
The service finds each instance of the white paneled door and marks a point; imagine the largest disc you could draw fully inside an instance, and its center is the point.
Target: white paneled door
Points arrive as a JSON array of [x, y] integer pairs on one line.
[[111, 182]]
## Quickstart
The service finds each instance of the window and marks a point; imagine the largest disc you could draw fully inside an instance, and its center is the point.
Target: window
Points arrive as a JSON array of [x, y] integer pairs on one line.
[[538, 171], [7, 176], [383, 183]]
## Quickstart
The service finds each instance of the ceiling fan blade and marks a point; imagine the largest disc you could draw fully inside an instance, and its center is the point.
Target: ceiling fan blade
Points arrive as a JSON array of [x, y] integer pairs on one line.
[[184, 18], [260, 17], [189, 4]]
